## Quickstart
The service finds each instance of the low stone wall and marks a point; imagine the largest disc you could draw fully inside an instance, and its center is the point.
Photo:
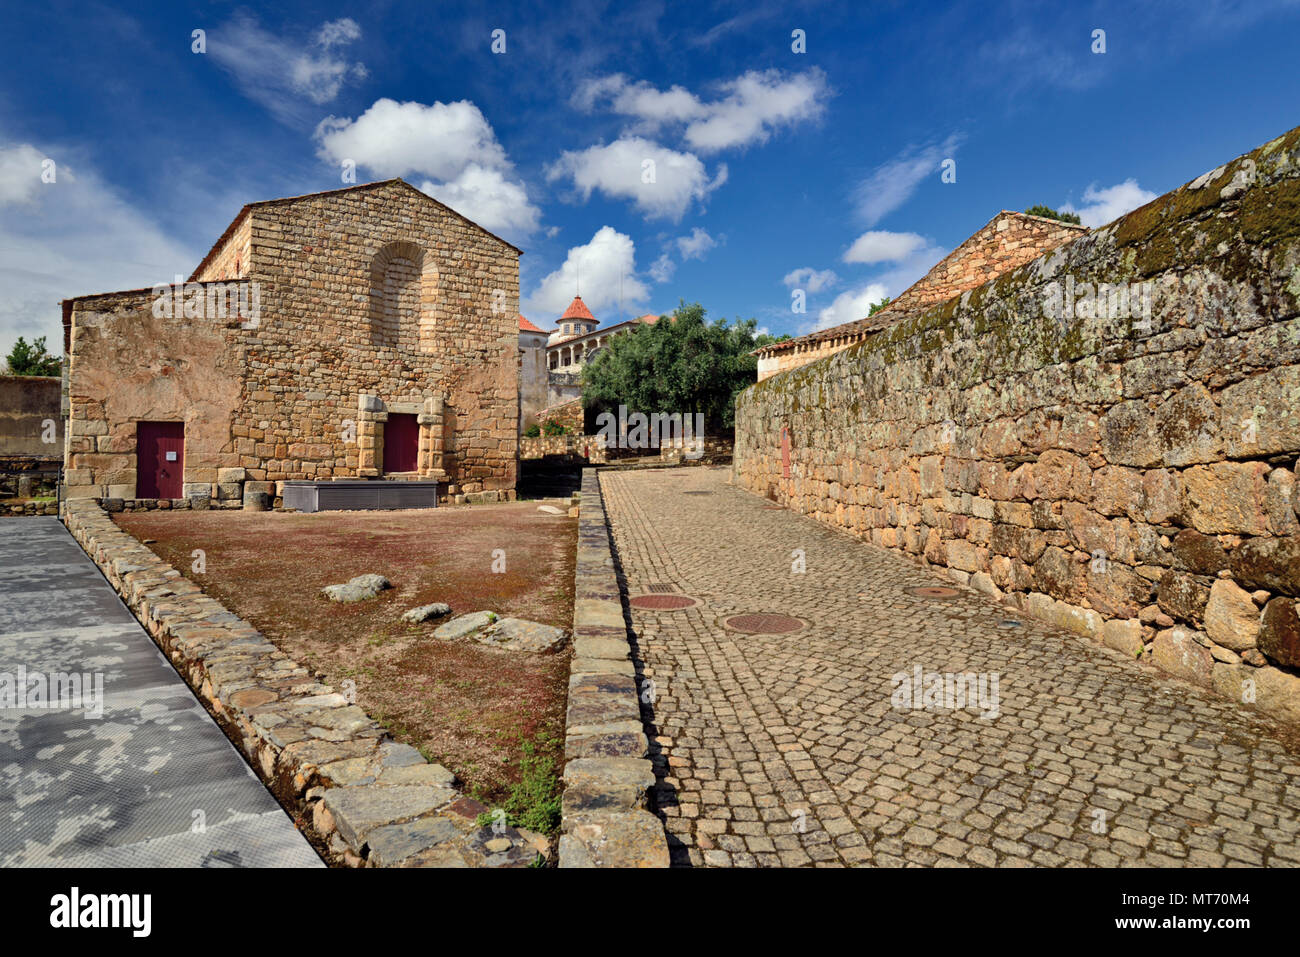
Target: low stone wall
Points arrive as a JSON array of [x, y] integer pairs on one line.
[[21, 509], [364, 799], [607, 774], [1106, 437], [583, 446], [592, 448], [568, 414]]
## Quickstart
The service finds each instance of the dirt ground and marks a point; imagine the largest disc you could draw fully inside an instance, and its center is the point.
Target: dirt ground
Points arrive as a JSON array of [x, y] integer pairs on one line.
[[468, 707]]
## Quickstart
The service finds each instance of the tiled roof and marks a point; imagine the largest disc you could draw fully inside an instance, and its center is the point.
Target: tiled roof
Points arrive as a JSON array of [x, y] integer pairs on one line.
[[578, 310], [526, 326]]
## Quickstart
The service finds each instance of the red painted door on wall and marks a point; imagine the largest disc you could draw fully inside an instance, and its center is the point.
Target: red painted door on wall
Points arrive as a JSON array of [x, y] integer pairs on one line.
[[401, 442], [159, 459]]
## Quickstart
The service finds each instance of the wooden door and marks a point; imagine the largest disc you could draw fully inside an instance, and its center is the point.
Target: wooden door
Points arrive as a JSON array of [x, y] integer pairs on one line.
[[401, 443], [159, 459]]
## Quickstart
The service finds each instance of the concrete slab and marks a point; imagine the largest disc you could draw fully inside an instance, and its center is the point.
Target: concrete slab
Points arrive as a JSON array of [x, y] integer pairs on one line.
[[136, 776]]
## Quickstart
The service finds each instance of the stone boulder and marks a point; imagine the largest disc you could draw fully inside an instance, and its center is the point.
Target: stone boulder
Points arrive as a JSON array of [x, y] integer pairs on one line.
[[357, 589], [1271, 563], [517, 634], [1177, 652], [1183, 596], [1279, 634], [1231, 617], [426, 613], [465, 626]]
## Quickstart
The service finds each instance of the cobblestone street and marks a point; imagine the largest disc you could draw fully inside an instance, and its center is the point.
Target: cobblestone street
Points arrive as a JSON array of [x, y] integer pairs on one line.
[[787, 749]]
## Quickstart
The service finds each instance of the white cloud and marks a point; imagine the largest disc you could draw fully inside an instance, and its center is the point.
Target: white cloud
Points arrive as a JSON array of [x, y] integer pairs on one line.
[[696, 244], [20, 174], [663, 268], [1102, 206], [851, 305], [281, 73], [810, 280], [451, 144], [892, 184], [750, 108], [620, 170], [68, 238], [610, 258], [881, 246]]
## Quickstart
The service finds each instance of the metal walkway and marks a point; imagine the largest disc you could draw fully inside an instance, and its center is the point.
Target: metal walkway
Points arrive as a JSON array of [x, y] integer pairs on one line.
[[152, 781]]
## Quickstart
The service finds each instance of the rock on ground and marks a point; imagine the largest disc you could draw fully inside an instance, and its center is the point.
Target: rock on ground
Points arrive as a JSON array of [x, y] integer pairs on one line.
[[357, 589], [517, 634], [465, 625], [512, 634], [426, 612]]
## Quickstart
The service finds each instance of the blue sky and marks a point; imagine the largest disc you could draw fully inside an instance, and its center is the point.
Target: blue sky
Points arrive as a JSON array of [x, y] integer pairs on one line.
[[773, 170]]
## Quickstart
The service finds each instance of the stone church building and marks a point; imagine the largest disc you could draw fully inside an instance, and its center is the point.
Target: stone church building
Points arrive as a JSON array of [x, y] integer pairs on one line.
[[361, 333]]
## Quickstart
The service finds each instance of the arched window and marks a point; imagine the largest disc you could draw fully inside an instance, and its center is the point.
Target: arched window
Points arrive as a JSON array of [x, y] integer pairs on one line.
[[403, 298]]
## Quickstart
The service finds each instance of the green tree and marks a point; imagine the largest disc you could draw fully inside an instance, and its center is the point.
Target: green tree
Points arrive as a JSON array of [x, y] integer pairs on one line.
[[679, 364], [877, 306], [32, 359], [1048, 213]]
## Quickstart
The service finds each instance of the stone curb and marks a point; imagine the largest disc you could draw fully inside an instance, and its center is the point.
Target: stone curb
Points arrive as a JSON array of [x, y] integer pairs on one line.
[[367, 800], [607, 774]]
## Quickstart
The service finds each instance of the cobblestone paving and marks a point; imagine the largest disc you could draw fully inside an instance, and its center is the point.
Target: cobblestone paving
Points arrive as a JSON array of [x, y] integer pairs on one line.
[[782, 750]]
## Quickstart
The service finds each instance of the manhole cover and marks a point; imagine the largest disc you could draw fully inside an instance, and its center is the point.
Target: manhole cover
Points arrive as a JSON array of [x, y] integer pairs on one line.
[[661, 602], [697, 492], [933, 591], [763, 623], [1011, 623]]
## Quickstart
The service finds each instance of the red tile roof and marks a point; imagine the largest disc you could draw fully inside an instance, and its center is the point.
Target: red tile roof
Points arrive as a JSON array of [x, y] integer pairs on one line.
[[649, 319], [526, 326], [578, 310]]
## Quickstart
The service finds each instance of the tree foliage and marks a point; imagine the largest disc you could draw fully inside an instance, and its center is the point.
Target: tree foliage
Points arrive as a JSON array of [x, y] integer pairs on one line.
[[32, 359], [1048, 213], [679, 364]]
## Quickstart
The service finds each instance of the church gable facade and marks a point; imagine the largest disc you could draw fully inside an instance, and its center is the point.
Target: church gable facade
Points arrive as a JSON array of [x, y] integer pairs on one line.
[[364, 333]]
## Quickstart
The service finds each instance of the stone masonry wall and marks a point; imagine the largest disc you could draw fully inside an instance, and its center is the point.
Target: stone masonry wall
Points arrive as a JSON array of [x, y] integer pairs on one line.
[[314, 354], [1126, 476], [372, 301], [1007, 241]]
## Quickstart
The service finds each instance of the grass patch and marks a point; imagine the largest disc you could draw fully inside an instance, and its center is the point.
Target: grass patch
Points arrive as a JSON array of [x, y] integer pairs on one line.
[[534, 800]]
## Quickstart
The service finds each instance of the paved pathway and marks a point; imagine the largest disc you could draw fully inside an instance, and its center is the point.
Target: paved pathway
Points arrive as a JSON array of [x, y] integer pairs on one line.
[[787, 749], [150, 782]]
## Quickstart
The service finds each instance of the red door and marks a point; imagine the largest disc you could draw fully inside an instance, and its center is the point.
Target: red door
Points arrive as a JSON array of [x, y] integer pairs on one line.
[[159, 459], [401, 442]]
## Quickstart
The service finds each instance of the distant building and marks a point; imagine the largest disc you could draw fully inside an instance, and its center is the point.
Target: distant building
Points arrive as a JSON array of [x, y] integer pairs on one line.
[[1006, 242], [551, 363]]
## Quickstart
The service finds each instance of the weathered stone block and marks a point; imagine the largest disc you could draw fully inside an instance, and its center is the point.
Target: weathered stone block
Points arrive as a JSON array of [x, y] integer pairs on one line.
[[1231, 616], [1279, 633], [1177, 652]]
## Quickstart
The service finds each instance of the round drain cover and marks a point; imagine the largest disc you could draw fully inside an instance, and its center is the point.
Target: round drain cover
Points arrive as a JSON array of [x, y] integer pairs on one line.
[[933, 591], [661, 602], [764, 623]]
